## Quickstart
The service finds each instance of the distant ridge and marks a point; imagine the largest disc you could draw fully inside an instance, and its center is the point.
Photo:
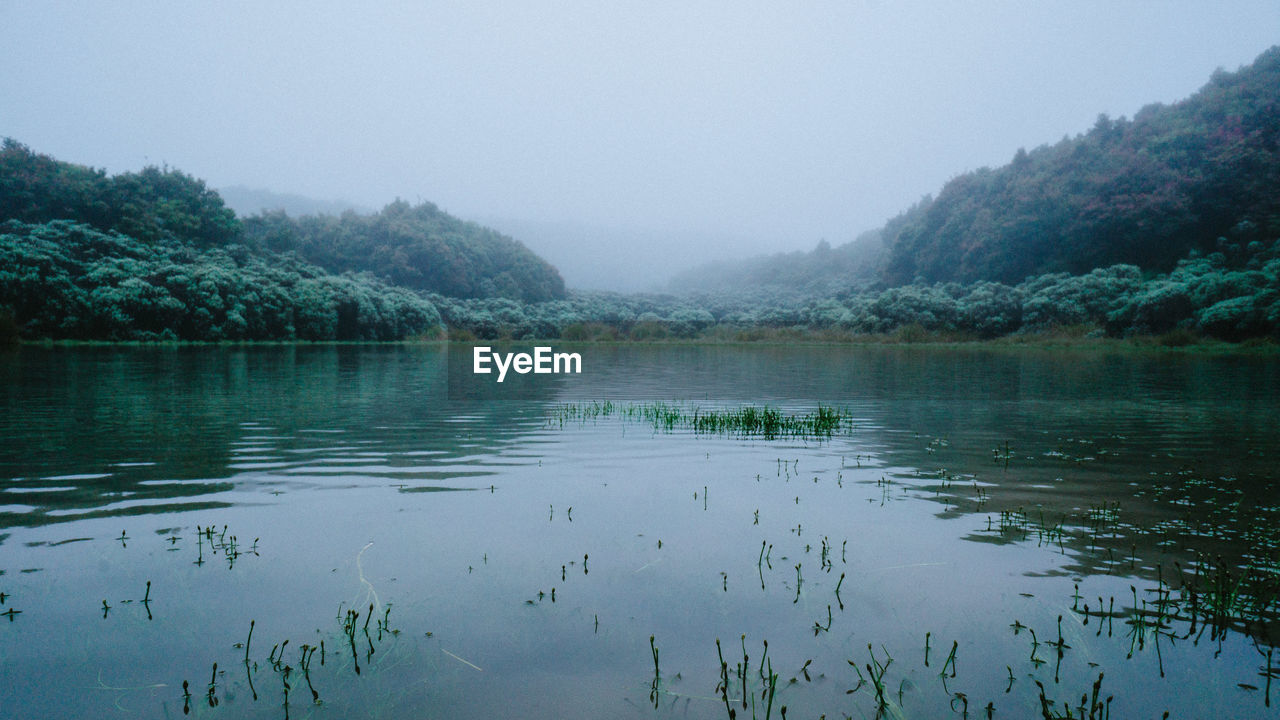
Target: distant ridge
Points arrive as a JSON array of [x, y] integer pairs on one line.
[[246, 201], [819, 272]]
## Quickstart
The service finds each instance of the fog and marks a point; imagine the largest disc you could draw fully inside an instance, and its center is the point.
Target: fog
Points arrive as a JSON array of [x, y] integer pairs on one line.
[[624, 141]]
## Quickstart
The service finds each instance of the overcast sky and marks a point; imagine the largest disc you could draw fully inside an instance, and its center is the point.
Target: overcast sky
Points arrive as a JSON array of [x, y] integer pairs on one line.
[[765, 126]]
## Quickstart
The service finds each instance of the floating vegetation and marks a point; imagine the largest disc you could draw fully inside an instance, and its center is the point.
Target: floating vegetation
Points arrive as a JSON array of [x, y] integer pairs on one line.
[[748, 420]]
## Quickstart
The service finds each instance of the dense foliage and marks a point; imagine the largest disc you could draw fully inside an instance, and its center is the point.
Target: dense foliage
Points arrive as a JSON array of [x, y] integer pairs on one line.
[[1232, 293], [68, 280], [1144, 191], [420, 247], [152, 205], [156, 254]]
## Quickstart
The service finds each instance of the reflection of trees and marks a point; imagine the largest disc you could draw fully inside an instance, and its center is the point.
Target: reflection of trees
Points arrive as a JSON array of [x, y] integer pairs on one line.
[[94, 432]]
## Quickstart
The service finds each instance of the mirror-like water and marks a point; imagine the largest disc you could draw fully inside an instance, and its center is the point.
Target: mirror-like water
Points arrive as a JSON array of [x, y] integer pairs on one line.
[[1052, 516]]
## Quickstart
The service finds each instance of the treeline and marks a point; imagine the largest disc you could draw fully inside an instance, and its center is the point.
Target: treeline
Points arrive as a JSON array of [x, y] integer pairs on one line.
[[150, 206], [1231, 294], [68, 280], [581, 316], [419, 247]]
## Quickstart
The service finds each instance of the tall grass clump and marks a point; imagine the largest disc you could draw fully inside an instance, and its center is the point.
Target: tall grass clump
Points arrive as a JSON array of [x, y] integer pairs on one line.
[[747, 421]]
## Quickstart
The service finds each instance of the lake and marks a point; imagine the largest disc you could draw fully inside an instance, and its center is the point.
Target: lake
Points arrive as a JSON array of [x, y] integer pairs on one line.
[[989, 531]]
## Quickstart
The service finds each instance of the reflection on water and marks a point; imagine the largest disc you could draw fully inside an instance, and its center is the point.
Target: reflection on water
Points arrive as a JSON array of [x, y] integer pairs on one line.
[[515, 566], [124, 431]]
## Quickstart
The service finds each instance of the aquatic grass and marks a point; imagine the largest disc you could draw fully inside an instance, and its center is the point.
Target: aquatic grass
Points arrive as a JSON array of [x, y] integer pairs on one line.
[[1023, 523], [818, 627], [655, 687], [213, 686], [276, 659], [654, 649], [1092, 706], [747, 421], [284, 677], [951, 660], [1223, 582], [742, 673], [308, 653], [876, 671]]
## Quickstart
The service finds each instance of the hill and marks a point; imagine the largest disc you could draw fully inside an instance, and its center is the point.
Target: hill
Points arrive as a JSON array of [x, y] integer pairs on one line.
[[1144, 191], [420, 247], [156, 254], [415, 246], [1198, 175]]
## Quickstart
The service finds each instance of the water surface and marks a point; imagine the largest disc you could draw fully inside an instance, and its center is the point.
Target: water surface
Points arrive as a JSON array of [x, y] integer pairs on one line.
[[519, 566]]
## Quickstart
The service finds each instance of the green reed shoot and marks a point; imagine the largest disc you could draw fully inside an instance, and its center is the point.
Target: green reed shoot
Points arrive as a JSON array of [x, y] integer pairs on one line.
[[654, 649]]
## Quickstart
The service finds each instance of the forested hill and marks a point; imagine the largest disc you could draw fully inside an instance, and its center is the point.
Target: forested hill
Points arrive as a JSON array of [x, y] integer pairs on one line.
[[1143, 191], [157, 255], [420, 247], [1200, 174], [416, 246]]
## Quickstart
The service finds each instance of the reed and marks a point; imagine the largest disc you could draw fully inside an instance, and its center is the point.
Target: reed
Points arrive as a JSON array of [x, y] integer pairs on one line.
[[748, 420]]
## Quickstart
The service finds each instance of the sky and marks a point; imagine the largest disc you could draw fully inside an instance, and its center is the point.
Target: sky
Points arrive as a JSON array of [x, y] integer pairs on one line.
[[624, 140]]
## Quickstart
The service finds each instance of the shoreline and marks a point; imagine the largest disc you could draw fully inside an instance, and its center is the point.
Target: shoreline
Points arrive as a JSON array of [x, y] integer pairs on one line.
[[1134, 344]]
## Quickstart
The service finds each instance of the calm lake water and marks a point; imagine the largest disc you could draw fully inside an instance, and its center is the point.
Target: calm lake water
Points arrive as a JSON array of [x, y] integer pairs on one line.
[[518, 566]]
